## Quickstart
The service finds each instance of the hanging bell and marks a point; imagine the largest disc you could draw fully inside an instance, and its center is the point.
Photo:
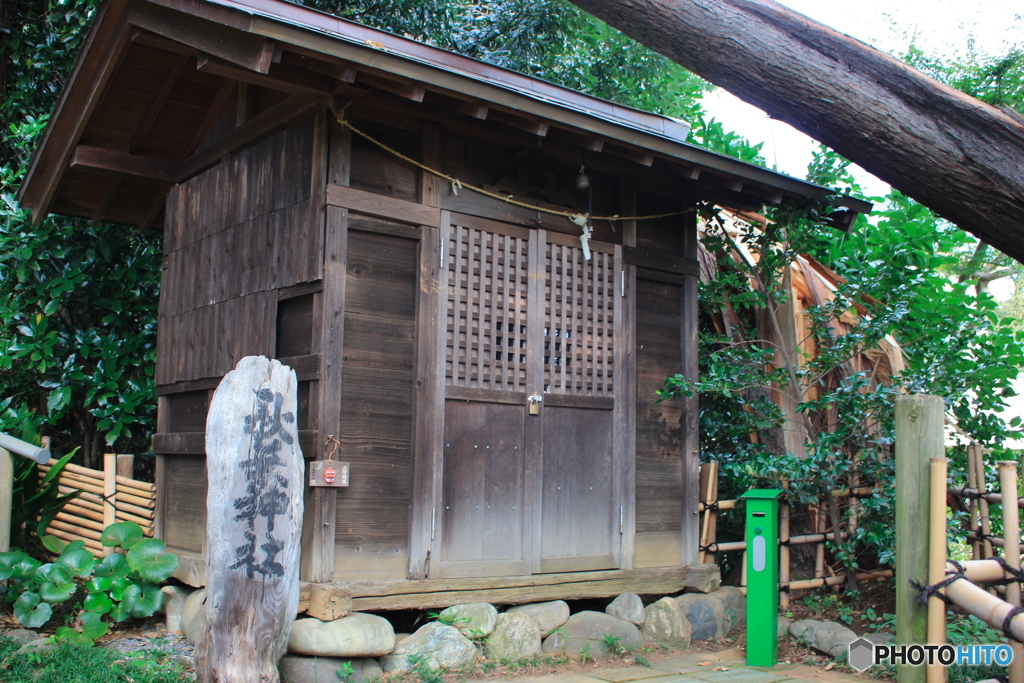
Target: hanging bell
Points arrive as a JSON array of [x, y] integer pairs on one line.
[[582, 180]]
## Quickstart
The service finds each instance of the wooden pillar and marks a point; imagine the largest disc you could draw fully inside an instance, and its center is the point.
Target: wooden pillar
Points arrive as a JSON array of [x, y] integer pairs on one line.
[[126, 465], [691, 443], [332, 160], [919, 437]]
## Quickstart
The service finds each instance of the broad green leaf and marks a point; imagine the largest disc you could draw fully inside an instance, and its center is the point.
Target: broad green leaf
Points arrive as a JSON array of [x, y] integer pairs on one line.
[[52, 543], [30, 611], [113, 566], [99, 583], [120, 587], [81, 562], [124, 534], [56, 592], [93, 626], [151, 562], [98, 602], [149, 601]]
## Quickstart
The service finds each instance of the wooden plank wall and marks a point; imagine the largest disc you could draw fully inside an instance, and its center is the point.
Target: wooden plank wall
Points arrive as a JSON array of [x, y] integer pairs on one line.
[[377, 400], [659, 434], [240, 240], [234, 235]]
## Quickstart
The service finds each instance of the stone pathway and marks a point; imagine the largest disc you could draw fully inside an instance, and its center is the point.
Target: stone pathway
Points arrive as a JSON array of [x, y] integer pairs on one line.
[[687, 669]]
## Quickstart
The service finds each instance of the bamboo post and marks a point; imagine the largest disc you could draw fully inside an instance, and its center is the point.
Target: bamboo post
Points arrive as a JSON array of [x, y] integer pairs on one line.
[[819, 550], [6, 498], [109, 491], [125, 465], [986, 525], [712, 519], [972, 504], [1011, 553], [784, 550], [703, 478], [936, 673], [919, 437]]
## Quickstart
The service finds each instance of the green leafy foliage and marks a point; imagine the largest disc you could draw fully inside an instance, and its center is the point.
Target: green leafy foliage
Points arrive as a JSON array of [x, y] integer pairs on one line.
[[77, 585], [35, 500], [72, 659]]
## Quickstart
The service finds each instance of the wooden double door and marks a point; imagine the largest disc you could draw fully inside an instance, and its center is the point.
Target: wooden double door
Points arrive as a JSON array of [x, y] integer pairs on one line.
[[529, 460]]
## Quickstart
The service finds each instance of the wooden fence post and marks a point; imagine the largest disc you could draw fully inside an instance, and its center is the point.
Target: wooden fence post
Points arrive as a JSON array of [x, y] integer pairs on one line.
[[919, 437], [126, 465], [254, 523]]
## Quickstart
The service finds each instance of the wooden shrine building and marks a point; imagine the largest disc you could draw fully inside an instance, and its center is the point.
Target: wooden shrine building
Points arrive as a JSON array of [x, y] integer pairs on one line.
[[492, 389]]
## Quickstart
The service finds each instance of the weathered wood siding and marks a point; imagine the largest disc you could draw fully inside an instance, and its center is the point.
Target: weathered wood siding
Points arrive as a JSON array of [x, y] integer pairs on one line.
[[659, 499], [240, 241], [234, 235], [377, 404]]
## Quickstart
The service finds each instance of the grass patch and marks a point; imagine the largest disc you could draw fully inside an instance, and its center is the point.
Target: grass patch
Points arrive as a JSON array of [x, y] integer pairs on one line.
[[84, 663]]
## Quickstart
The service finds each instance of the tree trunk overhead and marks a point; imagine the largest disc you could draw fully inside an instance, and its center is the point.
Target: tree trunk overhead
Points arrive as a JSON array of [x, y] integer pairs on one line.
[[956, 155]]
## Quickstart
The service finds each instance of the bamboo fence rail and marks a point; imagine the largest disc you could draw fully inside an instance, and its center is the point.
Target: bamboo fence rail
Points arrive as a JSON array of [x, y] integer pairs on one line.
[[104, 497], [710, 506]]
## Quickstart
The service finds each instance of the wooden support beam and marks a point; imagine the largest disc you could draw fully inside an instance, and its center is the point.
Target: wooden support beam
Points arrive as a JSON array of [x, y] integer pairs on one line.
[[154, 210], [280, 77], [341, 71], [157, 105], [656, 260], [220, 100], [639, 156], [123, 163], [474, 110], [530, 125], [247, 50], [401, 87], [272, 119], [108, 199]]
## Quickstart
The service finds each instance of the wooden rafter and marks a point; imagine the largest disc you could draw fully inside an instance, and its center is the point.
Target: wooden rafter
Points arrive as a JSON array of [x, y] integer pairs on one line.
[[123, 163], [220, 99], [259, 126], [108, 199], [246, 50], [157, 105], [281, 77]]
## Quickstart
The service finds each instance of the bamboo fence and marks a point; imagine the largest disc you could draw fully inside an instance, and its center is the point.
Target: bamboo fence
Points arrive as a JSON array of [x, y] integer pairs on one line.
[[105, 497], [962, 583], [710, 507]]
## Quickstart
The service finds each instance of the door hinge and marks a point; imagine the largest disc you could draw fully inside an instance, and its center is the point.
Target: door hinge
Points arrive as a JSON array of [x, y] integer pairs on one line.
[[622, 520], [440, 251], [433, 516], [622, 283]]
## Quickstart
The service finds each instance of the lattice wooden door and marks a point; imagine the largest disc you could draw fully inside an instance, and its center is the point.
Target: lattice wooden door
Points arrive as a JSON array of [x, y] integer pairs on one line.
[[527, 320]]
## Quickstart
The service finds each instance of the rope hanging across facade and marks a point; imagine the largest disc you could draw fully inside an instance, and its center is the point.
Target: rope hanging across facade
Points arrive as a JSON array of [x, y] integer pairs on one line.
[[580, 219]]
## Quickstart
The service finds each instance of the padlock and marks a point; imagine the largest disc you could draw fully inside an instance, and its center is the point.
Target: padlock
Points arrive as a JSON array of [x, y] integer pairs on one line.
[[534, 409]]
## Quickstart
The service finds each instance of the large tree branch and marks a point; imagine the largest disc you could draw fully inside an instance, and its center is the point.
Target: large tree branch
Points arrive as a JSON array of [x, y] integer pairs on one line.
[[960, 157]]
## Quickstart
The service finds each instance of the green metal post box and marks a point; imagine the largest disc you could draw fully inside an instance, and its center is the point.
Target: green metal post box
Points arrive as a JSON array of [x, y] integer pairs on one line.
[[762, 576]]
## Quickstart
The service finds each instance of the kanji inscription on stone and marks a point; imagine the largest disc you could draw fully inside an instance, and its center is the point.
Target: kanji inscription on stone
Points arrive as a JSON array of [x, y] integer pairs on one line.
[[255, 476]]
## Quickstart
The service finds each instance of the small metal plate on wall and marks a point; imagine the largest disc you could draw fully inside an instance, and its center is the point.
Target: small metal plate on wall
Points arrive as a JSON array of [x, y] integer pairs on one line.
[[328, 473]]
